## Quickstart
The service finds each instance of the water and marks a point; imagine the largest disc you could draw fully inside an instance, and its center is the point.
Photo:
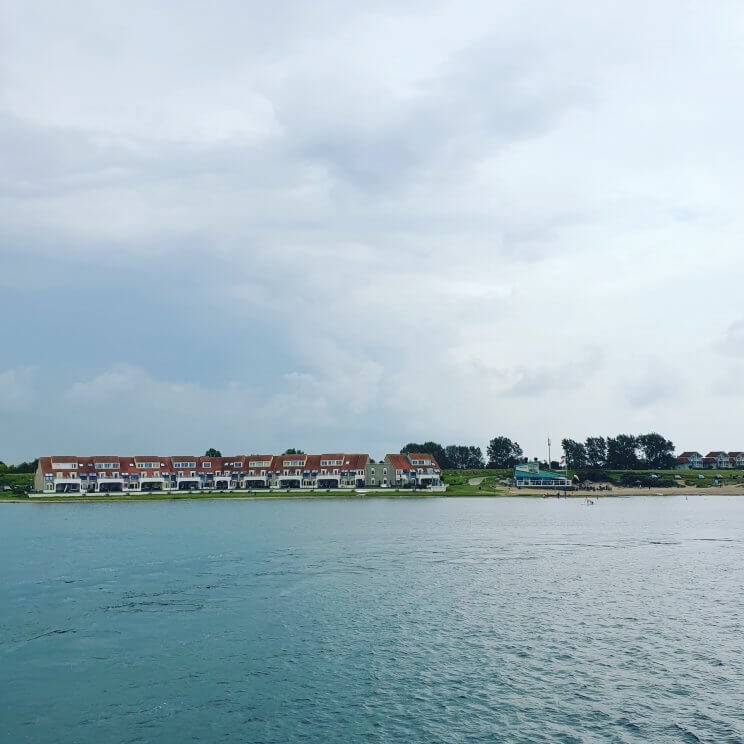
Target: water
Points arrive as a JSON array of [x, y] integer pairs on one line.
[[442, 620]]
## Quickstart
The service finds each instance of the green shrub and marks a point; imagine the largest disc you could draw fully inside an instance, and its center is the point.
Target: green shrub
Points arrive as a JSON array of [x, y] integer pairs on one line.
[[593, 475]]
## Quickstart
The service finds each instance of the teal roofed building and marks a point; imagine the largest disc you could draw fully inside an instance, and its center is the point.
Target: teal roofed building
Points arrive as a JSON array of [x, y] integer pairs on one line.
[[530, 474]]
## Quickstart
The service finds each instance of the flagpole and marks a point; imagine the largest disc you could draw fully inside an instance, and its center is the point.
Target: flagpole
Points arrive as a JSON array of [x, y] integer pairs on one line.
[[548, 453]]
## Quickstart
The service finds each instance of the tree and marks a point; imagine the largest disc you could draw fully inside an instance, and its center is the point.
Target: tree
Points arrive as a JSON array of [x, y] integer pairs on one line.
[[657, 452], [24, 467], [212, 452], [575, 454], [475, 458], [429, 448], [293, 451], [463, 457], [503, 453], [621, 452], [596, 452]]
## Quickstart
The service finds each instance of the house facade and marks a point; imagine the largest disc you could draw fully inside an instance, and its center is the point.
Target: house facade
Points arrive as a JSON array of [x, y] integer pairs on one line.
[[530, 475], [690, 460], [714, 460], [71, 474], [736, 460]]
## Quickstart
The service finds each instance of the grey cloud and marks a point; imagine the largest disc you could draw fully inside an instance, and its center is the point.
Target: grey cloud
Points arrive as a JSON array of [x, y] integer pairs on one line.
[[16, 389], [561, 377], [487, 97], [732, 342], [387, 223], [655, 384]]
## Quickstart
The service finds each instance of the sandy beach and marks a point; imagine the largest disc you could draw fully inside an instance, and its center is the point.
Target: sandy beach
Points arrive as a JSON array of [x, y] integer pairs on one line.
[[737, 490]]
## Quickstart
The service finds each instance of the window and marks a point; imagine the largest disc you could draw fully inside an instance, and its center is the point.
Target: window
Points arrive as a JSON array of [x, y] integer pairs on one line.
[[207, 465], [260, 463], [106, 465], [329, 463], [293, 463], [184, 464]]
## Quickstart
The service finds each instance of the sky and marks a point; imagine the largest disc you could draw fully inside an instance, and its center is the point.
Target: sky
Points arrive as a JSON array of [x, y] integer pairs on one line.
[[347, 226]]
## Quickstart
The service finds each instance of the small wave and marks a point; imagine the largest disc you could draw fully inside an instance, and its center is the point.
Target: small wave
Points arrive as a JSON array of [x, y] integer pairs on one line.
[[56, 631], [153, 605], [686, 733]]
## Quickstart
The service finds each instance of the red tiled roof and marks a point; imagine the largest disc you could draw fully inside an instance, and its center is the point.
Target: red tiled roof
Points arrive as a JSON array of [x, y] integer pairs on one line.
[[355, 462], [215, 463], [399, 462], [423, 456], [717, 453], [689, 453], [290, 458], [313, 462]]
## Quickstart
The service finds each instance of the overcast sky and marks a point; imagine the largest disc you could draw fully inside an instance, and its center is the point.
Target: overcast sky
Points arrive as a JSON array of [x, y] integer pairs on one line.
[[256, 225]]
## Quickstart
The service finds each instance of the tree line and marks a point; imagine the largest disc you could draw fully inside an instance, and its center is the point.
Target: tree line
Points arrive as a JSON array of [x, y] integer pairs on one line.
[[621, 452], [23, 467], [501, 453]]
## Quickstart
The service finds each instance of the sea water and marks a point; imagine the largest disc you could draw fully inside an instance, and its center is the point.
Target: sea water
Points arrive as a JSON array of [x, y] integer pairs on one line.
[[373, 620]]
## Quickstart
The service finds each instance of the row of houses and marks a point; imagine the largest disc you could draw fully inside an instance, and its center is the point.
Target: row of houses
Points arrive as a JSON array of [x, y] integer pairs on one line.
[[716, 460], [111, 474]]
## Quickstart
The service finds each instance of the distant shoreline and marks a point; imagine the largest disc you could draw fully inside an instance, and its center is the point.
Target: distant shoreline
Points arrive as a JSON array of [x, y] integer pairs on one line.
[[454, 493]]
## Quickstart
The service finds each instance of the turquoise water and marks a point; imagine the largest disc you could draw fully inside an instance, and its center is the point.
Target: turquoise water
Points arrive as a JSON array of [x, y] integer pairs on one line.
[[433, 620]]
